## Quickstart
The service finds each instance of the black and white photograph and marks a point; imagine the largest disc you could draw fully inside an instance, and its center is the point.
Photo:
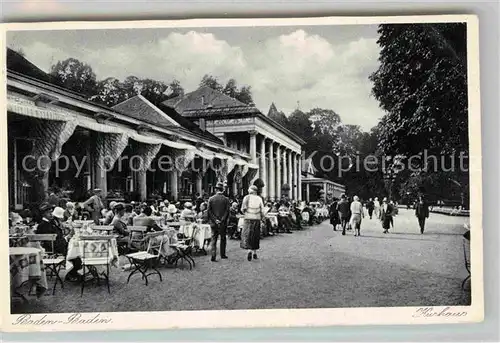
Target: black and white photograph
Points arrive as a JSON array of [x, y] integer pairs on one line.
[[305, 165]]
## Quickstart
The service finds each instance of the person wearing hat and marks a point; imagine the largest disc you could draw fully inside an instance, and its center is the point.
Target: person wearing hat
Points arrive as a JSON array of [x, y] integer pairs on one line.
[[119, 226], [218, 214], [253, 210], [109, 214], [356, 215], [344, 210], [70, 212], [386, 211], [94, 205], [422, 213], [187, 214], [48, 225]]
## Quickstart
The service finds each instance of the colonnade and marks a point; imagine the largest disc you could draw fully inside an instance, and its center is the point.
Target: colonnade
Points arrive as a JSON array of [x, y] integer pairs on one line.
[[278, 165]]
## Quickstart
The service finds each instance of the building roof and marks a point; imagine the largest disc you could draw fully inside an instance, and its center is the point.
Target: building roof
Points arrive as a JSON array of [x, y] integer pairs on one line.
[[18, 63], [204, 98], [207, 102], [138, 107]]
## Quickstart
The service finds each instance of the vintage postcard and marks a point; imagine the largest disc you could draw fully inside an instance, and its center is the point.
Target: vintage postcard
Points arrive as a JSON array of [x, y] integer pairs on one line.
[[241, 173]]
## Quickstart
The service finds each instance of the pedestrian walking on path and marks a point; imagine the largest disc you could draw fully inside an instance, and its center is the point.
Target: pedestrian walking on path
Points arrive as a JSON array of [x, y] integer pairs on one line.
[[334, 214], [218, 215], [376, 208], [356, 215], [422, 213], [386, 215], [343, 208], [253, 210], [370, 206]]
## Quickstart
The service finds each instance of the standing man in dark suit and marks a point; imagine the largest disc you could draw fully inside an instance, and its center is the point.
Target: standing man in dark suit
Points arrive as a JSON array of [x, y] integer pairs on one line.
[[386, 211], [218, 214], [422, 213]]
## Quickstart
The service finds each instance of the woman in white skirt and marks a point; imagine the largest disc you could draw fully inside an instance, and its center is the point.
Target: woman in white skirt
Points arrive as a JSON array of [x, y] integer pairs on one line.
[[253, 210]]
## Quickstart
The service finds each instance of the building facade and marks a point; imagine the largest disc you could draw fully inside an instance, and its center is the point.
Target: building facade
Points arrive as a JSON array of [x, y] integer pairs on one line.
[[59, 139], [274, 150]]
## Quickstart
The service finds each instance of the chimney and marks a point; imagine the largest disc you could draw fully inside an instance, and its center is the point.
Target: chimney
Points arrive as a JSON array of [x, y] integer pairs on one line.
[[203, 101], [202, 124]]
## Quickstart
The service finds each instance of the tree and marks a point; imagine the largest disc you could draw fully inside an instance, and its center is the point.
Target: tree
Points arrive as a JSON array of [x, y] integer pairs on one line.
[[277, 116], [212, 82], [110, 92], [174, 89], [300, 124], [245, 95], [231, 88], [75, 75], [422, 85]]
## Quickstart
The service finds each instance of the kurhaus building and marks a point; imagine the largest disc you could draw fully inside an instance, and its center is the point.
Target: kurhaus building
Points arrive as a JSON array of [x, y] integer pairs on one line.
[[57, 138], [276, 150]]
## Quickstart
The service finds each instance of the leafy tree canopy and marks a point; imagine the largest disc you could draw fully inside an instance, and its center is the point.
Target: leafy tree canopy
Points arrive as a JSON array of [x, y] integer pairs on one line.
[[422, 85], [74, 75]]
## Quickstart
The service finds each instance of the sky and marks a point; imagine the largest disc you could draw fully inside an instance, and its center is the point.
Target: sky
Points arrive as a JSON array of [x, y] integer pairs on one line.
[[292, 66]]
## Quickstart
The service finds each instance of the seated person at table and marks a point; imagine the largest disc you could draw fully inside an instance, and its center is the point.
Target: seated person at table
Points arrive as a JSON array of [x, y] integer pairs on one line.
[[172, 211], [203, 213], [154, 208], [108, 216], [267, 222], [70, 212], [49, 226], [27, 216], [119, 227], [145, 219], [187, 213], [298, 215], [283, 217], [129, 215]]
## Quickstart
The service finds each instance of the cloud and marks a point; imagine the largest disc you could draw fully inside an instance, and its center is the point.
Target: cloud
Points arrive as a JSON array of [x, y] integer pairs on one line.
[[286, 69]]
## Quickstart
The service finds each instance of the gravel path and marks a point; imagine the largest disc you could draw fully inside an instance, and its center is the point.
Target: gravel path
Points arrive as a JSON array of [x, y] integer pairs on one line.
[[312, 268]]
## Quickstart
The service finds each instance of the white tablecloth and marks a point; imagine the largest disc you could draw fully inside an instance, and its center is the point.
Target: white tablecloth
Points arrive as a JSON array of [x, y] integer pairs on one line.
[[95, 249], [201, 233], [26, 267]]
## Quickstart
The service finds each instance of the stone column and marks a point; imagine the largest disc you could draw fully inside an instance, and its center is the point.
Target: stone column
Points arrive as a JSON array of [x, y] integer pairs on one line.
[[262, 167], [199, 183], [174, 184], [290, 174], [279, 183], [295, 181], [299, 179], [285, 168], [253, 146], [272, 179], [142, 185], [253, 153]]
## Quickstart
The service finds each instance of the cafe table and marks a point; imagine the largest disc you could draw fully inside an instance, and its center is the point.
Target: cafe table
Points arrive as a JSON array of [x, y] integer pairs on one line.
[[199, 232], [27, 269], [97, 249]]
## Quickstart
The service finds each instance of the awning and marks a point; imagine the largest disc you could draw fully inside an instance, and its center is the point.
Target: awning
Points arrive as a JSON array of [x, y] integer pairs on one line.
[[205, 154]]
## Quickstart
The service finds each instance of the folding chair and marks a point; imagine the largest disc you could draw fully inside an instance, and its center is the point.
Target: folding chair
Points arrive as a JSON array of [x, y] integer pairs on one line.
[[52, 261], [96, 253], [103, 230], [137, 238], [184, 248], [466, 247], [143, 261]]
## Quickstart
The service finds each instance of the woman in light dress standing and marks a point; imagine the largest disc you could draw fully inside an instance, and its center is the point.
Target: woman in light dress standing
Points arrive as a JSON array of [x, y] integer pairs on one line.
[[376, 207], [253, 211]]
